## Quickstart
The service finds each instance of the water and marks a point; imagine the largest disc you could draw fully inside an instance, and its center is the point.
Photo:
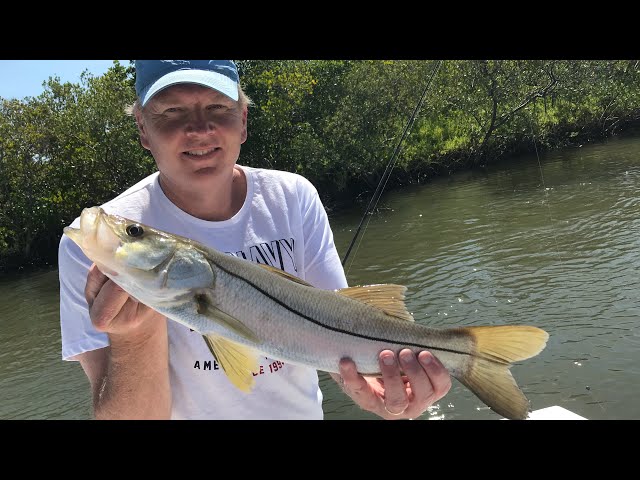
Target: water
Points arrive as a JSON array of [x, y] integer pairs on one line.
[[34, 381], [551, 242]]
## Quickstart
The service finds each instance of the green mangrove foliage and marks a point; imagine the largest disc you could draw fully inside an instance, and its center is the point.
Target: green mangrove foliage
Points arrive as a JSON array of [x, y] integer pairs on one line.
[[338, 122]]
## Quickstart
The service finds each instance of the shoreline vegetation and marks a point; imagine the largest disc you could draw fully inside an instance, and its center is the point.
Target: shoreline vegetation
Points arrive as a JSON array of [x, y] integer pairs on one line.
[[337, 122]]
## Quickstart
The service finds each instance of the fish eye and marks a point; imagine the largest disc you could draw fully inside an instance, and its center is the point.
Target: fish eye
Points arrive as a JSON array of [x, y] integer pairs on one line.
[[134, 230]]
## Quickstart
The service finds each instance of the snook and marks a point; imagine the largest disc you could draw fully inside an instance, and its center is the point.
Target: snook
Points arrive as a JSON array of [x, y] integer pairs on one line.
[[245, 310]]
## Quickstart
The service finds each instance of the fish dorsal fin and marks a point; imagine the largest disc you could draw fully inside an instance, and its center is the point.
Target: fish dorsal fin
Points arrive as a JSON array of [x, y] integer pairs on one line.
[[387, 297], [237, 361], [207, 308], [284, 274]]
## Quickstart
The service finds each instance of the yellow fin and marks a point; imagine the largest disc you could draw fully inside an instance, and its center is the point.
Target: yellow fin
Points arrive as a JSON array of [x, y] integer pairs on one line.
[[508, 343], [237, 361], [387, 297], [207, 308], [488, 375], [284, 274]]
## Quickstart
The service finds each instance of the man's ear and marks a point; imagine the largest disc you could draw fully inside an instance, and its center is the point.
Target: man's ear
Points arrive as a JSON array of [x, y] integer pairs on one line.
[[141, 129], [245, 114]]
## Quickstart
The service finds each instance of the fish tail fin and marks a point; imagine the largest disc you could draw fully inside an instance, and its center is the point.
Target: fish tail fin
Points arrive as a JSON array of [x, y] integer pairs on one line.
[[488, 375]]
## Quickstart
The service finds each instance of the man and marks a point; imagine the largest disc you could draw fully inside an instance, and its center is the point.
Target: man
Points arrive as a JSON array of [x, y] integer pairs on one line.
[[192, 117]]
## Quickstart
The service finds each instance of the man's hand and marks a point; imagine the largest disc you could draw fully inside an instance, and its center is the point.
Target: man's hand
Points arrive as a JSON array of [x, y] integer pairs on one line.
[[112, 310], [394, 396]]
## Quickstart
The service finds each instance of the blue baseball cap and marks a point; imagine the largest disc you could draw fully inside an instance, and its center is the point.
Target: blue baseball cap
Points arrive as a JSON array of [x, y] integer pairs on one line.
[[154, 75]]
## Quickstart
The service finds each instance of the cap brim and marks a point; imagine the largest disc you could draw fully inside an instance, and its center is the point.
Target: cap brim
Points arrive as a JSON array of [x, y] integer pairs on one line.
[[214, 80]]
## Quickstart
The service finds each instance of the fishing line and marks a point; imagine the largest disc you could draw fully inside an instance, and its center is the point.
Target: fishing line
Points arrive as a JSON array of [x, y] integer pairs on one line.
[[555, 238], [544, 186], [387, 172]]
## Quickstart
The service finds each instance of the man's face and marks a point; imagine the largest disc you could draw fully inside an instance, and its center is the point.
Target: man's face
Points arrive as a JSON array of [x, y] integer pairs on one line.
[[193, 132]]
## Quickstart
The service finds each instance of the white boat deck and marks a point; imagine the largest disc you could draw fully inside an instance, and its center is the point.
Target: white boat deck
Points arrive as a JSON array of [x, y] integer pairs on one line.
[[554, 413]]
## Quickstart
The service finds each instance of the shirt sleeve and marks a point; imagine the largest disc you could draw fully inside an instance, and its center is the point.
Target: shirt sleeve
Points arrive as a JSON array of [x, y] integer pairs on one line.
[[323, 268], [77, 332]]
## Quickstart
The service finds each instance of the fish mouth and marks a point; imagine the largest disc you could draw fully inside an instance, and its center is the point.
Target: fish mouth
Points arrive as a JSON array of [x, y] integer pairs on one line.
[[74, 234], [88, 220], [97, 235]]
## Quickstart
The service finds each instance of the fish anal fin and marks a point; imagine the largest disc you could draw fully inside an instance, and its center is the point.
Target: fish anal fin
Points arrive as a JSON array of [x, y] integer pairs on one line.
[[387, 297], [205, 306], [237, 361]]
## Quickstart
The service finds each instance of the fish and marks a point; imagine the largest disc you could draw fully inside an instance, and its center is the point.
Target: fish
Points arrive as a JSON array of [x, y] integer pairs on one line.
[[245, 311]]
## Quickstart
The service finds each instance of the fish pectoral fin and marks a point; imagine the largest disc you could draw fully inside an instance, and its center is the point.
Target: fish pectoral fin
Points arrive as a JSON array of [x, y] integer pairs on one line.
[[387, 297], [207, 308], [237, 361], [284, 274]]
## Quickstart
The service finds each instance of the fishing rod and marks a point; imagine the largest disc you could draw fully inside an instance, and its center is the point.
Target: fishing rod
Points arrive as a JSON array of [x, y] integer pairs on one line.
[[392, 161]]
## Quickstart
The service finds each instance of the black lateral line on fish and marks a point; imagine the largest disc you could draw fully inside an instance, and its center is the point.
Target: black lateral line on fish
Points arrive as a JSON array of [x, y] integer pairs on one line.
[[328, 327]]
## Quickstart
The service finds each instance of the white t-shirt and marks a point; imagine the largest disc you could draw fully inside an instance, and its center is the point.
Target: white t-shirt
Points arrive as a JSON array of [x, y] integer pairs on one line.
[[282, 223]]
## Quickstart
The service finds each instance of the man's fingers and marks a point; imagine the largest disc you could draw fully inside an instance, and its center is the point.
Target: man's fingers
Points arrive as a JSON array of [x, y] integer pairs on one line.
[[356, 385], [421, 386], [396, 400], [107, 304], [349, 373], [440, 379], [95, 280]]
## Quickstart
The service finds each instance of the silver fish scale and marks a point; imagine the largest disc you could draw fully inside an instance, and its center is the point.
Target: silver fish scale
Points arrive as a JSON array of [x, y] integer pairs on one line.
[[305, 325]]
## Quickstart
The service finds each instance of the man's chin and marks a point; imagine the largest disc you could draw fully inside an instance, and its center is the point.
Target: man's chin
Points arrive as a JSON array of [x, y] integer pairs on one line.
[[205, 171]]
